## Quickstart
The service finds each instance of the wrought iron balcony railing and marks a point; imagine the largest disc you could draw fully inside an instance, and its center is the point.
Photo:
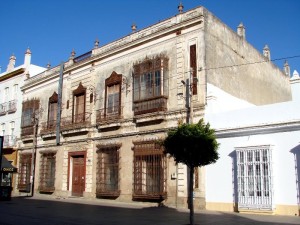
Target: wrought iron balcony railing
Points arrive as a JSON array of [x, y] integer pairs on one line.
[[26, 131], [151, 105], [9, 141], [12, 106], [48, 127], [76, 121], [109, 114], [3, 109]]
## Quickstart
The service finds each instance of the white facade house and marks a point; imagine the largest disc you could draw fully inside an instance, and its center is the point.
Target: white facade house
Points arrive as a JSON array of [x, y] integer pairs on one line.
[[259, 156], [11, 102]]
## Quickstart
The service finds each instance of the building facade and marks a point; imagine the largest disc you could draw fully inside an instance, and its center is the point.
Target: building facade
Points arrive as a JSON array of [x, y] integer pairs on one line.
[[98, 117], [11, 103], [259, 157]]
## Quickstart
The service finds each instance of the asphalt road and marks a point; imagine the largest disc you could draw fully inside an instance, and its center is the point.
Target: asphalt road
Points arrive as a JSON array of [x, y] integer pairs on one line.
[[77, 211]]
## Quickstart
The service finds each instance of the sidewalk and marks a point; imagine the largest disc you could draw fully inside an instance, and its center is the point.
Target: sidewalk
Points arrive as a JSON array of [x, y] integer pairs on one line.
[[47, 210]]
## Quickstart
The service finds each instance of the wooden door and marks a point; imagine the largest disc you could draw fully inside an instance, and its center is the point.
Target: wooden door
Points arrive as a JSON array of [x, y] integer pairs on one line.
[[78, 176]]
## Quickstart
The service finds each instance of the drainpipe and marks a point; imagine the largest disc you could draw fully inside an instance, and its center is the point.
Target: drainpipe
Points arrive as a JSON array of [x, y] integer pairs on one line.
[[58, 118]]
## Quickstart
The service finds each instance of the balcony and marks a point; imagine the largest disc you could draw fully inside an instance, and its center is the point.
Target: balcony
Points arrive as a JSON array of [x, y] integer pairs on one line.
[[9, 141], [76, 124], [27, 133], [109, 117], [150, 111], [12, 106], [151, 105], [48, 129], [3, 109]]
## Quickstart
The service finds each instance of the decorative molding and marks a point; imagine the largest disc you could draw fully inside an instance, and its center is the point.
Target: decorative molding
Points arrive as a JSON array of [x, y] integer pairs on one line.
[[80, 89], [258, 129], [53, 98]]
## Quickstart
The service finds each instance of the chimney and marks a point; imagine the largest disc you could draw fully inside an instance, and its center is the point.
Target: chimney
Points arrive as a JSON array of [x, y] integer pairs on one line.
[[286, 69], [27, 58], [266, 52], [241, 30], [133, 28], [11, 64], [180, 8]]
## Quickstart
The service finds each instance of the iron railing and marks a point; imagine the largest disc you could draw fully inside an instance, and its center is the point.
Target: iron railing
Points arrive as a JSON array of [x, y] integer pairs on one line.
[[24, 172], [151, 105], [109, 114], [12, 106], [150, 171], [108, 173], [48, 127], [9, 141], [3, 109], [47, 172], [26, 131], [76, 121]]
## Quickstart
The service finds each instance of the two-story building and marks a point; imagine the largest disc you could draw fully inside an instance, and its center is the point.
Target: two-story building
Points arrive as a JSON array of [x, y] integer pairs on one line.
[[98, 116]]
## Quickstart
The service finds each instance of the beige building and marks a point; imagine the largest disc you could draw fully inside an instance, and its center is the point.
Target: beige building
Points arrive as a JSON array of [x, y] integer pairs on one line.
[[117, 100]]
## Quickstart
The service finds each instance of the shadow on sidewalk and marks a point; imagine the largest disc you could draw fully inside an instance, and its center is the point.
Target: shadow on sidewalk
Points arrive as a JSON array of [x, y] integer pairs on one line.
[[24, 210]]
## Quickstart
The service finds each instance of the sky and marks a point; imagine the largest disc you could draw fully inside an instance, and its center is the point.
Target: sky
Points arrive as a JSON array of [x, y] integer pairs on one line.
[[53, 28]]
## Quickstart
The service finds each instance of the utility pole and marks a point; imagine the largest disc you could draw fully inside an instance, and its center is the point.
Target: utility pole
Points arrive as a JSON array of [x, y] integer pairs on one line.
[[33, 156]]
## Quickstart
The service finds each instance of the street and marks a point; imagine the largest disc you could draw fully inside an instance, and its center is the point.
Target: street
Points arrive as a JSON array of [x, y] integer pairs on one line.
[[76, 211]]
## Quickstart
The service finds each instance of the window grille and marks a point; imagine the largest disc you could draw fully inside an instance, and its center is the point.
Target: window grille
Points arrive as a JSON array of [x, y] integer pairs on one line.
[[28, 110], [47, 172], [52, 111], [108, 171], [24, 172], [79, 104], [149, 171], [150, 85], [255, 181]]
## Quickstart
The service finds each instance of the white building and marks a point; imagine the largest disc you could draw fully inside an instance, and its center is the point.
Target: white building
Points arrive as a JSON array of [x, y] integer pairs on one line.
[[259, 155], [11, 102]]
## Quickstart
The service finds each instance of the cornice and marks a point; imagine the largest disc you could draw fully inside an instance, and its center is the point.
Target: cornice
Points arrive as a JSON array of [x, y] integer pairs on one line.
[[12, 74], [162, 28], [258, 129]]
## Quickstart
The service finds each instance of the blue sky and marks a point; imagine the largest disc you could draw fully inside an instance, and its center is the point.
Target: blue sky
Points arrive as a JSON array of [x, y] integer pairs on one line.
[[53, 28]]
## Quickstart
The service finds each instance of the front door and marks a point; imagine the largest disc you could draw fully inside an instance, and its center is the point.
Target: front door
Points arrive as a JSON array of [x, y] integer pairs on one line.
[[78, 176]]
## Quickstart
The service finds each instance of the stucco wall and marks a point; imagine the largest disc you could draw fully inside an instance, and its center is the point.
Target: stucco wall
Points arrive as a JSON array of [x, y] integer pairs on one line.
[[253, 80]]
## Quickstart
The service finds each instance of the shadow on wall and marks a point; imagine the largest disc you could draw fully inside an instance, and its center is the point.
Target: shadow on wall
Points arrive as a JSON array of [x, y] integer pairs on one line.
[[296, 152], [233, 156]]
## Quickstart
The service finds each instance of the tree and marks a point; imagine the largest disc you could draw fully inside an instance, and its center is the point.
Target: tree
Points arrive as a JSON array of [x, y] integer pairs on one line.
[[194, 145]]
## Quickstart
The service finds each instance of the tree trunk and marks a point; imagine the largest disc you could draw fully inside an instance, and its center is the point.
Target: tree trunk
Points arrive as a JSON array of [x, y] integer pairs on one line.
[[191, 200]]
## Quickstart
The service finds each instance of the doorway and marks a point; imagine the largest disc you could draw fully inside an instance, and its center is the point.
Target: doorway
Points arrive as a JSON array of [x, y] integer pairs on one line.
[[77, 174]]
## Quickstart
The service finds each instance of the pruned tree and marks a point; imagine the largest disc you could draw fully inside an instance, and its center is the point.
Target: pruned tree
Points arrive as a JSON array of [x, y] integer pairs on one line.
[[194, 145]]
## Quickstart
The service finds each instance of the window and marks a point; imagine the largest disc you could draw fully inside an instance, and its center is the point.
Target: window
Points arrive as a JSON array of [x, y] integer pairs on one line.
[[6, 94], [193, 66], [28, 110], [108, 171], [150, 90], [52, 111], [47, 172], [79, 104], [24, 172], [113, 95], [254, 174], [16, 89], [3, 129], [149, 171]]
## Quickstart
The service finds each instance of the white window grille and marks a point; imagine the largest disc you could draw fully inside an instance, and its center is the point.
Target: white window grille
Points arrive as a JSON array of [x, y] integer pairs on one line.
[[255, 180]]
